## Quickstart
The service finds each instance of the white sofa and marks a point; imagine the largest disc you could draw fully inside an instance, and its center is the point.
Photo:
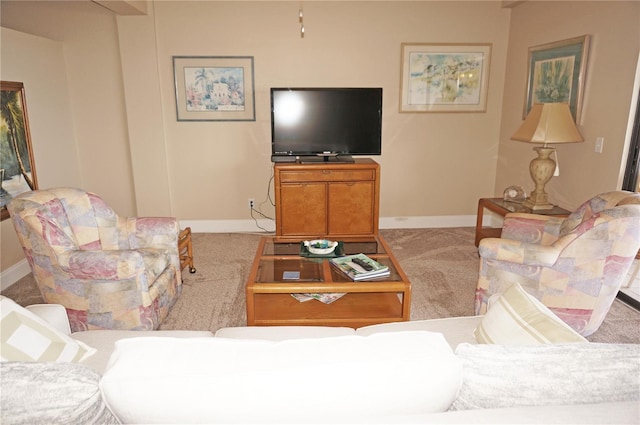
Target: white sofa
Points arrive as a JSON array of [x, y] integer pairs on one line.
[[177, 377], [529, 367]]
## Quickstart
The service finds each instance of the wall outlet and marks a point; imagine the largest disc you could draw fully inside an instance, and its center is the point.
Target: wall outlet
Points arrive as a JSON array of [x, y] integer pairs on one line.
[[251, 203], [599, 144]]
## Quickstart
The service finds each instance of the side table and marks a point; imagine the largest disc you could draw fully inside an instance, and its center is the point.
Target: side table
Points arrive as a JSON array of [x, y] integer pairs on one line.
[[502, 208]]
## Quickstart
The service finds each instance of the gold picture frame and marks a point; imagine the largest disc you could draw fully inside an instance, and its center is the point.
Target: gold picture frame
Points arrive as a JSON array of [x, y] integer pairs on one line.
[[444, 77], [17, 167]]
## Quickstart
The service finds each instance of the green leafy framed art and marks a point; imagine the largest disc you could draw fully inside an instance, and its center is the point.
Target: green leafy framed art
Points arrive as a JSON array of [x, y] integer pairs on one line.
[[17, 169], [557, 74]]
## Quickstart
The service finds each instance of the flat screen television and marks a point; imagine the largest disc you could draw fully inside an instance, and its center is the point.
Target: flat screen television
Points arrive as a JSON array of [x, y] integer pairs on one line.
[[325, 124]]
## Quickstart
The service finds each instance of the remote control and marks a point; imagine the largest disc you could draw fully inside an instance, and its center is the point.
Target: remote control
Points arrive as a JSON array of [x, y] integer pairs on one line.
[[368, 267]]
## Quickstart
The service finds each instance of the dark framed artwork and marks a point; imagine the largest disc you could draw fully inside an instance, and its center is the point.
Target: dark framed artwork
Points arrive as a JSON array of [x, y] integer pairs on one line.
[[557, 73], [17, 168], [214, 88]]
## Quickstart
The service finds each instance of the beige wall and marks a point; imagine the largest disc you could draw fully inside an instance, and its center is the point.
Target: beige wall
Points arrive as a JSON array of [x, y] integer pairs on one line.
[[615, 43], [43, 73], [91, 59], [214, 167], [75, 101], [125, 143]]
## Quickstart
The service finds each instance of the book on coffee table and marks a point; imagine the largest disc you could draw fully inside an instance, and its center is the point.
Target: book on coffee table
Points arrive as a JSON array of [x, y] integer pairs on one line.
[[360, 267]]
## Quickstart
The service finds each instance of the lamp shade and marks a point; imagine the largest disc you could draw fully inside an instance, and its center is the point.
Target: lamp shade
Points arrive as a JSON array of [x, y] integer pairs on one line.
[[548, 123]]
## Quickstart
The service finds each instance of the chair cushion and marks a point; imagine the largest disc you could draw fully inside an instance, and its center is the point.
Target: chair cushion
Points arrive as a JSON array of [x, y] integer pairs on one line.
[[27, 337], [334, 379], [517, 318], [155, 260]]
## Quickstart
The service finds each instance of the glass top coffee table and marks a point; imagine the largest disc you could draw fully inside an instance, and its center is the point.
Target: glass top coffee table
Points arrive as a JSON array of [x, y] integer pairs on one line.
[[268, 292]]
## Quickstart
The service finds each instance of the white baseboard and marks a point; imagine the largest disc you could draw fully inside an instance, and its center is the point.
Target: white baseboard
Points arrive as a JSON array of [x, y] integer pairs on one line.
[[427, 222], [16, 272], [229, 226], [232, 226]]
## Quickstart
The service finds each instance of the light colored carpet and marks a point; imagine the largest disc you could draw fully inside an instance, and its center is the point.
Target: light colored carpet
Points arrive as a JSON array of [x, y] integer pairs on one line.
[[442, 265]]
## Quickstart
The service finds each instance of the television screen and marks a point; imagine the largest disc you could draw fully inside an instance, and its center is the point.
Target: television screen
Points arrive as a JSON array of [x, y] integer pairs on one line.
[[325, 122]]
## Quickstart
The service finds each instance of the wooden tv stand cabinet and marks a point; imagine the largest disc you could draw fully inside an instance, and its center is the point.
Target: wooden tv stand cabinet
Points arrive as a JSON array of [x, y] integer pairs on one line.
[[327, 199]]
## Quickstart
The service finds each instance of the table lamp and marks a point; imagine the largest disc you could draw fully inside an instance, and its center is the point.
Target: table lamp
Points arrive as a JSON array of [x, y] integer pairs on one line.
[[547, 123]]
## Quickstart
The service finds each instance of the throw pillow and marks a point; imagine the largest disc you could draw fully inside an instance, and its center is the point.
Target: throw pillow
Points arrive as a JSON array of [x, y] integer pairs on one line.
[[26, 337], [517, 318], [51, 393], [333, 379], [497, 376]]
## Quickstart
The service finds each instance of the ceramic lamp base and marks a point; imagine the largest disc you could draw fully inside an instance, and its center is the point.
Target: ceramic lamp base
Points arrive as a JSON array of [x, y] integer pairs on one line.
[[541, 170], [538, 204]]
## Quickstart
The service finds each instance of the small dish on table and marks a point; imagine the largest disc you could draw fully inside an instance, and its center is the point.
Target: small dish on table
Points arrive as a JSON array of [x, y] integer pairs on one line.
[[320, 246]]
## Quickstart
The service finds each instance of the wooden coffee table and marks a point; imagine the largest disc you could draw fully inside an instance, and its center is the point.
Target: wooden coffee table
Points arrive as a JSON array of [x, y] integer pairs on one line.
[[269, 300]]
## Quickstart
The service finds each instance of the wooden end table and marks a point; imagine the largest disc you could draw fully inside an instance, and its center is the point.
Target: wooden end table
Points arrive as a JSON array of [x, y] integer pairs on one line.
[[268, 294], [502, 208]]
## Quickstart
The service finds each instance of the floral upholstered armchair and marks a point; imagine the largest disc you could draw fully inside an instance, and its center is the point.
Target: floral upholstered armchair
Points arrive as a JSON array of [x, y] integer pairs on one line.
[[574, 265], [109, 272]]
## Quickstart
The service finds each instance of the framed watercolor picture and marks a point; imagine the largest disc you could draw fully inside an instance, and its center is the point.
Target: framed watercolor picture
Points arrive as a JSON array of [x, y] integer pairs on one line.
[[214, 88], [444, 77], [17, 169], [557, 73]]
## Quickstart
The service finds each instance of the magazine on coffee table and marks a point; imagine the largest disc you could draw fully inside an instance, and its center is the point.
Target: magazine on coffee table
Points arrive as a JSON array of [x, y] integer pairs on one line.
[[326, 297], [360, 267], [357, 267]]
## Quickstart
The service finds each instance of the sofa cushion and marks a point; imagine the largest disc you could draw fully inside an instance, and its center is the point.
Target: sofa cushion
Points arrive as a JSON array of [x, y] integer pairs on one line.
[[539, 375], [517, 318], [455, 330], [27, 337], [281, 333], [51, 393], [104, 341], [335, 379]]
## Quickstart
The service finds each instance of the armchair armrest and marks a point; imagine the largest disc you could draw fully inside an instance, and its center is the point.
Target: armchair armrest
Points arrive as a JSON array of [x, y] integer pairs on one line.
[[153, 232], [102, 265], [54, 314], [518, 252], [531, 228]]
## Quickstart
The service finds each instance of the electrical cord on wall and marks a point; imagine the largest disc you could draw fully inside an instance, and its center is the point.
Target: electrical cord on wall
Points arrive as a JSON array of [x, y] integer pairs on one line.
[[269, 190], [259, 212]]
